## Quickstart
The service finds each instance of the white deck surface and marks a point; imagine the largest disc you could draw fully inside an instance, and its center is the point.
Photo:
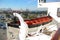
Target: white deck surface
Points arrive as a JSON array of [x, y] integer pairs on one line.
[[40, 36], [14, 32]]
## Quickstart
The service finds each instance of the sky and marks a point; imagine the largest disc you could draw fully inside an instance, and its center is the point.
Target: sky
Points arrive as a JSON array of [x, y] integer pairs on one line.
[[20, 4]]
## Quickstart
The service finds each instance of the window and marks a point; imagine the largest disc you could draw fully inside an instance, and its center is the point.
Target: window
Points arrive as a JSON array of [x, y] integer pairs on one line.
[[45, 1], [42, 1], [58, 12], [52, 0]]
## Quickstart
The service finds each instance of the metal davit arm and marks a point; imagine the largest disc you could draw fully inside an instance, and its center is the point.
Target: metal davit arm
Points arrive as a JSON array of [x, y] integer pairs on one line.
[[19, 17], [23, 27]]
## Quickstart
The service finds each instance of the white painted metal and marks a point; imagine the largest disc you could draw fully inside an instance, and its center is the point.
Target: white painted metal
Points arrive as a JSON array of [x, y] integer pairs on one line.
[[52, 28], [23, 27], [52, 9]]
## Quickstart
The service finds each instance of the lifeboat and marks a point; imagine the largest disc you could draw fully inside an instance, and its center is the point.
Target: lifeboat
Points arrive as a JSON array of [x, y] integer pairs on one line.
[[36, 22]]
